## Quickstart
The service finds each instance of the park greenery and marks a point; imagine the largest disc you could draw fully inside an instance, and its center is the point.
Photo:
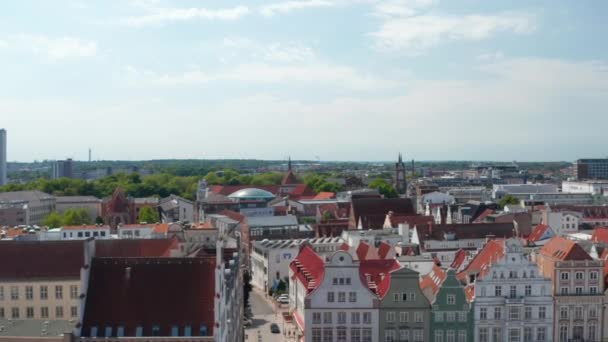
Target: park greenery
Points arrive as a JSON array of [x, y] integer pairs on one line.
[[384, 188], [71, 217], [162, 184], [148, 215]]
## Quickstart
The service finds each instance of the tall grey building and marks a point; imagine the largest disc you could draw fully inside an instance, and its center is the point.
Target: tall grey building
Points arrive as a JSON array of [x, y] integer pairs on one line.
[[3, 157], [62, 169]]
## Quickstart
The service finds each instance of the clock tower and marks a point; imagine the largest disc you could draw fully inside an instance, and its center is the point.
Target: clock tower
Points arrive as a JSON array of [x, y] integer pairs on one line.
[[400, 181]]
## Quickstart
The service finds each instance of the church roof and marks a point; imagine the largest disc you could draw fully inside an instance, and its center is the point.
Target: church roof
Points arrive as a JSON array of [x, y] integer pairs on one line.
[[289, 178]]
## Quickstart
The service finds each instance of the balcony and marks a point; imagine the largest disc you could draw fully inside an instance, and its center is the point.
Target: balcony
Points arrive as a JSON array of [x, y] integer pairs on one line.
[[515, 300]]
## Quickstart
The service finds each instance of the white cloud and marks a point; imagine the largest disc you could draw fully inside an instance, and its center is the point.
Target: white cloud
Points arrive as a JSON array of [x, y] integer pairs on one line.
[[417, 33], [51, 47], [159, 15], [288, 6], [400, 8], [241, 48], [264, 73]]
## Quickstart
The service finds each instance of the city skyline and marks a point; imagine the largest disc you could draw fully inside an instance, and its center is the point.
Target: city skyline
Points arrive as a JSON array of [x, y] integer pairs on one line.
[[365, 79]]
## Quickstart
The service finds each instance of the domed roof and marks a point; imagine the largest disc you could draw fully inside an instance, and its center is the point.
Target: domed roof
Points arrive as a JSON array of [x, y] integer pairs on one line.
[[252, 193]]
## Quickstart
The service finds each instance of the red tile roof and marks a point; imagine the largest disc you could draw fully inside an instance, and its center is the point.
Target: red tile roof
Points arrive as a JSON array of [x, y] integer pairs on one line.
[[289, 178], [483, 215], [151, 292], [376, 274], [384, 249], [459, 259], [469, 291], [308, 267], [433, 280], [600, 234], [324, 195], [538, 232], [204, 226], [560, 248], [135, 248], [41, 259], [366, 251], [492, 252], [301, 190]]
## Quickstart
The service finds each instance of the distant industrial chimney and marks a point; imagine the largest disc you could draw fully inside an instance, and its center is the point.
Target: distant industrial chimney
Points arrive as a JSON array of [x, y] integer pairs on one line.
[[89, 154]]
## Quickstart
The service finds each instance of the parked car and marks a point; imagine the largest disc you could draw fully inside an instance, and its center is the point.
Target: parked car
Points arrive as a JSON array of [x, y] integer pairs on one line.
[[274, 328], [283, 300]]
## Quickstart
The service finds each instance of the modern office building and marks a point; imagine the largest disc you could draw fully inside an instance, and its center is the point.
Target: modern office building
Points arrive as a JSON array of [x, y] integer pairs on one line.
[[62, 169], [591, 169], [3, 157]]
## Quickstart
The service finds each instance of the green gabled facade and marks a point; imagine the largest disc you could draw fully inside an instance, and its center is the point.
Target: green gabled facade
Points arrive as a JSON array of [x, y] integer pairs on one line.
[[452, 314]]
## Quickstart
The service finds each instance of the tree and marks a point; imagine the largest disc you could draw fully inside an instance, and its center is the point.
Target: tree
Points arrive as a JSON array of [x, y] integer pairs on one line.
[[53, 220], [75, 217], [148, 215], [508, 199], [384, 188], [99, 220]]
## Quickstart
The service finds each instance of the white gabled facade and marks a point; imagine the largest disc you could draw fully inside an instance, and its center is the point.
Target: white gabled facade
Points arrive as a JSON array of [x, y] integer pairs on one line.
[[513, 300], [340, 307]]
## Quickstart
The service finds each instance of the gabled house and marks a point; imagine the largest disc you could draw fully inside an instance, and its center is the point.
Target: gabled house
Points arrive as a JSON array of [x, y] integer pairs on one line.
[[452, 313], [405, 313], [540, 235], [577, 288]]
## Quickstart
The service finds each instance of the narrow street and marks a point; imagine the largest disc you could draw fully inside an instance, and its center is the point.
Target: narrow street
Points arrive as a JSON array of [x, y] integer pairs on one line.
[[264, 315]]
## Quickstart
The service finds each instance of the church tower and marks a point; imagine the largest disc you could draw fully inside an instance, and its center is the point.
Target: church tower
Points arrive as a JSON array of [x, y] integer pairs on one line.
[[400, 182]]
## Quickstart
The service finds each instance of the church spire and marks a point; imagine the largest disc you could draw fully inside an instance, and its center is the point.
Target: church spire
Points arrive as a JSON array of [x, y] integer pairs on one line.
[[400, 158], [289, 164]]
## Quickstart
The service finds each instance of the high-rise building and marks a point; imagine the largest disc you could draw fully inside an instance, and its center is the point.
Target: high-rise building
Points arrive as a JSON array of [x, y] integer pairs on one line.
[[591, 169], [2, 157], [62, 169]]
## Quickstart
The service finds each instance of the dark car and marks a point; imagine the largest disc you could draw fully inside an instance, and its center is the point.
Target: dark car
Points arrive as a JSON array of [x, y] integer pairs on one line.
[[274, 328]]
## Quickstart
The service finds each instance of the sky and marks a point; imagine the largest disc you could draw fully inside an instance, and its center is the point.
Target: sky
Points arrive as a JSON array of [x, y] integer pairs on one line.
[[310, 79]]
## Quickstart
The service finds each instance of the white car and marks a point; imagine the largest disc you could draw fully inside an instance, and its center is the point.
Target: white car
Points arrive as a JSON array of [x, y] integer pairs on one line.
[[283, 300]]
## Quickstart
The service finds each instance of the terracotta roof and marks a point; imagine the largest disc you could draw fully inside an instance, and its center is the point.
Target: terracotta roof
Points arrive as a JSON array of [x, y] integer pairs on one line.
[[301, 190], [483, 215], [11, 233], [84, 227], [204, 225], [600, 234], [161, 228], [492, 252], [41, 259], [469, 291], [459, 258], [289, 178], [538, 232], [384, 249], [560, 248], [308, 267], [433, 280], [324, 195], [150, 292], [366, 251], [135, 248], [376, 274], [372, 211]]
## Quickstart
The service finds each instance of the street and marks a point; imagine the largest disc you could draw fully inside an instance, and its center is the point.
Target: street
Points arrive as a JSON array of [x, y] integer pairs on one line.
[[263, 316]]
